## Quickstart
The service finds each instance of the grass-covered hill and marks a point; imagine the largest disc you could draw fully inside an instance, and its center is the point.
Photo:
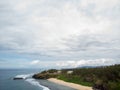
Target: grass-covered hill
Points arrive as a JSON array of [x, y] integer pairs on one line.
[[100, 78]]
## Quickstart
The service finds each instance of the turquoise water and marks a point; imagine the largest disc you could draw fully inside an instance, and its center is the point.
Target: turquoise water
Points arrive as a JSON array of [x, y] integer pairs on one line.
[[7, 82]]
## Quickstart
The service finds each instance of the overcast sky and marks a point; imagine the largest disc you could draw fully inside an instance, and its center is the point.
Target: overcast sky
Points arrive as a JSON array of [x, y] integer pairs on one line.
[[59, 33]]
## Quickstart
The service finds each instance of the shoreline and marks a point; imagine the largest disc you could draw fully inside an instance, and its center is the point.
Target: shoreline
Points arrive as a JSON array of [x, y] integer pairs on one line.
[[53, 86], [68, 84]]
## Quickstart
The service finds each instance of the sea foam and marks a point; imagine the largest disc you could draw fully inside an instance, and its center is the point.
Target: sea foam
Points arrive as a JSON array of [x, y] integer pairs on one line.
[[30, 80], [36, 83], [24, 76]]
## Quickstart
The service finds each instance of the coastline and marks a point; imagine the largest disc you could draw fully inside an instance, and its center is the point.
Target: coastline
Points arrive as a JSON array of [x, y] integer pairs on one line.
[[68, 84], [53, 86]]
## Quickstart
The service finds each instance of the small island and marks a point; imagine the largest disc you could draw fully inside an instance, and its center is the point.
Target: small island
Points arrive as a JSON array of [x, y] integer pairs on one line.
[[96, 78]]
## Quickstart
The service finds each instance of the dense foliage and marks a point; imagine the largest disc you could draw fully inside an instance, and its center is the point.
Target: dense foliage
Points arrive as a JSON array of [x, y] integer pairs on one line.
[[101, 78]]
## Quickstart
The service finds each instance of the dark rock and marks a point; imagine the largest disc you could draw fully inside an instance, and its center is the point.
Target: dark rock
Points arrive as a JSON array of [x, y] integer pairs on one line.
[[17, 78]]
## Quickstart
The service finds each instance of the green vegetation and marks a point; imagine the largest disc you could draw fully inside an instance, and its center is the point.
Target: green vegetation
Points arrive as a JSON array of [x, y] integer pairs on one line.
[[74, 79], [101, 78]]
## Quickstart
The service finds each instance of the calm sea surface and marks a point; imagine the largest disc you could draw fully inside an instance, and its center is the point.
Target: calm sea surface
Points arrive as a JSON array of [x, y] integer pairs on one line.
[[7, 82]]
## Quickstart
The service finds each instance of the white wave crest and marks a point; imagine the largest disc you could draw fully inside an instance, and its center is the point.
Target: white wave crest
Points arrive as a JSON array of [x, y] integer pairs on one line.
[[24, 76], [34, 82]]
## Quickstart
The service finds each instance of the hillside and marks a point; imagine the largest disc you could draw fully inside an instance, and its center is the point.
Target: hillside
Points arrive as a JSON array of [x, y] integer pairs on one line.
[[100, 78]]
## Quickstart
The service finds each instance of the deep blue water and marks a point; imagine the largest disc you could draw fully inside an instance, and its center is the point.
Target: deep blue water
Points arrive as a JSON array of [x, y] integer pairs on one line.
[[7, 82]]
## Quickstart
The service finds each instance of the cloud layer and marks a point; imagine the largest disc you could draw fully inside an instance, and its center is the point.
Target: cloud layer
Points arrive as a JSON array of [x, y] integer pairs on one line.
[[66, 29], [73, 63]]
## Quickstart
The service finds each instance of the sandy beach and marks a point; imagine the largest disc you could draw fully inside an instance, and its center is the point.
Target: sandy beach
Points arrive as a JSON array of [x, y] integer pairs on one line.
[[54, 86], [71, 85]]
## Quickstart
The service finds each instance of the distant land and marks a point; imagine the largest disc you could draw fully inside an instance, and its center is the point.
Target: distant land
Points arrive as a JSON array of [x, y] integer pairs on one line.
[[99, 78]]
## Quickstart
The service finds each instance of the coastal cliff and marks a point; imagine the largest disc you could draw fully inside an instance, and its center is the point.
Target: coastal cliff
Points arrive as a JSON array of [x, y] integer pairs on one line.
[[52, 73]]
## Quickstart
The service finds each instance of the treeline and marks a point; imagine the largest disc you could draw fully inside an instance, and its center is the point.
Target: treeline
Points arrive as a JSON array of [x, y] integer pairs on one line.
[[100, 78]]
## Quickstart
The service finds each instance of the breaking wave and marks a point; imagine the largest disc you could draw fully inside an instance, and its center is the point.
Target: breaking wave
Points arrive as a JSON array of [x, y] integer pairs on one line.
[[36, 83], [24, 76], [29, 79]]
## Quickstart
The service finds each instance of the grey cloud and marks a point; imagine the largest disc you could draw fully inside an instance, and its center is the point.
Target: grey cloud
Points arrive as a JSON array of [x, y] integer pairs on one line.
[[94, 46], [18, 32], [96, 41]]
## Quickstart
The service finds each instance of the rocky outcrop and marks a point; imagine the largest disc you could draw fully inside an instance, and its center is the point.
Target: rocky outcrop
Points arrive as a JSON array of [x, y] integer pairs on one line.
[[52, 73], [17, 78], [44, 76]]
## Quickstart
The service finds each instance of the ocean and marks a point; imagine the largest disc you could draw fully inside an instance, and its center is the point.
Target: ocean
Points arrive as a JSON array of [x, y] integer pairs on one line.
[[7, 82]]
